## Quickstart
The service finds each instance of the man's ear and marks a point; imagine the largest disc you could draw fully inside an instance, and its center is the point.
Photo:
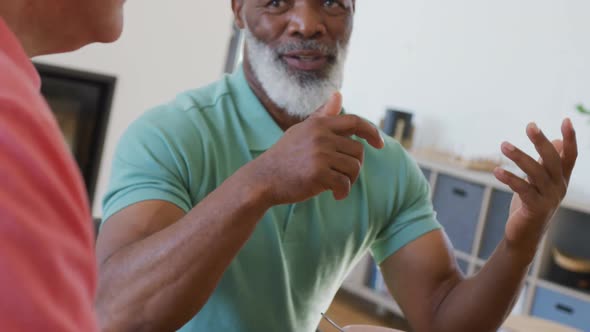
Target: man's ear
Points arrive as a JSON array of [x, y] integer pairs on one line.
[[236, 6]]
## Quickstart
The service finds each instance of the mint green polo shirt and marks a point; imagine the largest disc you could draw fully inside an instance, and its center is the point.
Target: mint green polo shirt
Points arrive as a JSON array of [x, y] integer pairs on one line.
[[299, 254]]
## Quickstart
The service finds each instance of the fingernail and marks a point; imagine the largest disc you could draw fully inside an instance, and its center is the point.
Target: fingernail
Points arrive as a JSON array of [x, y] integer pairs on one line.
[[535, 128], [509, 147]]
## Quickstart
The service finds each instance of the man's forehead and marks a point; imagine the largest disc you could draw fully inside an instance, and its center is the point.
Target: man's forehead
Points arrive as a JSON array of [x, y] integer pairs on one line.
[[345, 2]]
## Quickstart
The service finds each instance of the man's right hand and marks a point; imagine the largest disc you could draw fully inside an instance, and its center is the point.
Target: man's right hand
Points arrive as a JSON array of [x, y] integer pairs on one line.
[[315, 155]]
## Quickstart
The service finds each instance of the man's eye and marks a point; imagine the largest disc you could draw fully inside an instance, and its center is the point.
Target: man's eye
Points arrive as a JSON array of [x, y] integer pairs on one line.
[[333, 3], [337, 7], [276, 3], [278, 6]]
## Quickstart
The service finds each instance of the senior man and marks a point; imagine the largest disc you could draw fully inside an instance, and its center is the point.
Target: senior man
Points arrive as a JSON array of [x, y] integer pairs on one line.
[[219, 215], [47, 261]]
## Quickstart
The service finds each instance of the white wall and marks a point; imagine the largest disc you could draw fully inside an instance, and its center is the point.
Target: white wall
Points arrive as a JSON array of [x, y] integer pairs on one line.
[[475, 72], [167, 47]]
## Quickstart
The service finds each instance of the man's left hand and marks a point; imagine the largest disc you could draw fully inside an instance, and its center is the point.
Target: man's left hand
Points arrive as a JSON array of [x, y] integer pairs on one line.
[[538, 196]]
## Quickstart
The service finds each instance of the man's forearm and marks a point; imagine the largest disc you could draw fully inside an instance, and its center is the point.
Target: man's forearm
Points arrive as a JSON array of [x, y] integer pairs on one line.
[[160, 282], [481, 303]]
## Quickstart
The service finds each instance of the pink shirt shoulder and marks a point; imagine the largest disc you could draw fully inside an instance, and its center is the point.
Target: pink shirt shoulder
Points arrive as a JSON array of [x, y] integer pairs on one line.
[[47, 264]]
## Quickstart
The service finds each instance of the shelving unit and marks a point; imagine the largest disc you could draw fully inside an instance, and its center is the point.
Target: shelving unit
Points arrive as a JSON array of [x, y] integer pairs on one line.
[[473, 207]]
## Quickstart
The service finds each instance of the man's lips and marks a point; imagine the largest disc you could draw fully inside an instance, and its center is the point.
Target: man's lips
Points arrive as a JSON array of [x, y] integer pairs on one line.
[[306, 60]]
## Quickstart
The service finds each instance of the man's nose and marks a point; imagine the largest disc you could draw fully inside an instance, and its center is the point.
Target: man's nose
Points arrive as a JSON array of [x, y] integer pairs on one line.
[[306, 21]]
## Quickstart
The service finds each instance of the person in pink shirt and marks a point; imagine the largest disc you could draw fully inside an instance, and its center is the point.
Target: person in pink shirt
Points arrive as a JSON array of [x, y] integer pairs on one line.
[[47, 262]]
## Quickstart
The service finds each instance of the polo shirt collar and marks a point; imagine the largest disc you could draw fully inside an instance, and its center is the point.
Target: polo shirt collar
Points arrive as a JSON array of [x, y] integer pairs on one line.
[[260, 129], [11, 48]]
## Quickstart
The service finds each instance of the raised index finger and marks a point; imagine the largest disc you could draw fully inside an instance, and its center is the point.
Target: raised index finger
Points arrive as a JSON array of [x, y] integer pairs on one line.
[[348, 125], [570, 148]]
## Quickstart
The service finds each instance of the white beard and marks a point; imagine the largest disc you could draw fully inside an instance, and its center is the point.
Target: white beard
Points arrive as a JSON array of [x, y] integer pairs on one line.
[[298, 94]]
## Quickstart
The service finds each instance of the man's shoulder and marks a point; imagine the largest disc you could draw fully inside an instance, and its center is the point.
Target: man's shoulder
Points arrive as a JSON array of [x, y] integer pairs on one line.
[[392, 164], [22, 116], [184, 121], [15, 91], [390, 155], [200, 99], [189, 109]]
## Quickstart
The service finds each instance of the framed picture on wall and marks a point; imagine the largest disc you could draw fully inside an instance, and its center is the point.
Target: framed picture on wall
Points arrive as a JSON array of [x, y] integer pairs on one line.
[[81, 102]]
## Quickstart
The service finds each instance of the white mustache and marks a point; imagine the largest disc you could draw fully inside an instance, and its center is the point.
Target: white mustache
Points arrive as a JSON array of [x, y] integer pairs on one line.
[[307, 45]]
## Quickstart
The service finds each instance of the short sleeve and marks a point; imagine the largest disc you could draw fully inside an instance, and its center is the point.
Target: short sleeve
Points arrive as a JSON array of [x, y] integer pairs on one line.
[[149, 164], [414, 214]]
